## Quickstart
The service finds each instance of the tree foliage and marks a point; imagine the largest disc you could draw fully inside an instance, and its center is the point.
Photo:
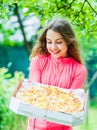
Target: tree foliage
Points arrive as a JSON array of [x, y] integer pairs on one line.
[[9, 120], [81, 13]]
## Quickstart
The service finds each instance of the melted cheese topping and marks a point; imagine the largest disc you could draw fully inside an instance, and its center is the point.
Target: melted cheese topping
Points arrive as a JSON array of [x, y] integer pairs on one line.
[[51, 98]]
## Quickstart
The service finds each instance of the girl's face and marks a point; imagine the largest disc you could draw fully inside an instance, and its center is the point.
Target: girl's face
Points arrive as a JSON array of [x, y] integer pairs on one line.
[[56, 45]]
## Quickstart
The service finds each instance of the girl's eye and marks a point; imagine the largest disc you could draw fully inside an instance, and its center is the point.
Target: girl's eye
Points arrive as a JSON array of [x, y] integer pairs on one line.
[[59, 42], [49, 42]]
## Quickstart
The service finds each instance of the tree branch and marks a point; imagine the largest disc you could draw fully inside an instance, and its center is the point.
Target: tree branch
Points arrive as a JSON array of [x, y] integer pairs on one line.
[[91, 7], [92, 80], [65, 6], [79, 11], [27, 45], [70, 4]]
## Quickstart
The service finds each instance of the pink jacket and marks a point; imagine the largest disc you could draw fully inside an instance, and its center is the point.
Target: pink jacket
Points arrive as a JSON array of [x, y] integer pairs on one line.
[[62, 72]]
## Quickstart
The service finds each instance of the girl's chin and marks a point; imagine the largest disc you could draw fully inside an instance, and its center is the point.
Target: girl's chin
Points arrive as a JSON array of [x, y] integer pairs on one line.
[[56, 56]]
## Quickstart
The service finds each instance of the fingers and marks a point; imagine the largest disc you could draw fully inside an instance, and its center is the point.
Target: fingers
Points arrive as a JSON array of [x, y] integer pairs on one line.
[[17, 88]]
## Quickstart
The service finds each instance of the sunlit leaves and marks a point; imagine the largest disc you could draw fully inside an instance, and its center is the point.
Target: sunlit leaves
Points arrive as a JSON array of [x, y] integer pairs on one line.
[[81, 13]]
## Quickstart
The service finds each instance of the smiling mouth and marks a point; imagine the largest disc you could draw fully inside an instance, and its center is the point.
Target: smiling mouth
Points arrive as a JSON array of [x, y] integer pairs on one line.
[[55, 52]]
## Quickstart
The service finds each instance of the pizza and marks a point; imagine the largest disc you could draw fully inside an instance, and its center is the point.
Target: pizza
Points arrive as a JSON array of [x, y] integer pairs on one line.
[[51, 98]]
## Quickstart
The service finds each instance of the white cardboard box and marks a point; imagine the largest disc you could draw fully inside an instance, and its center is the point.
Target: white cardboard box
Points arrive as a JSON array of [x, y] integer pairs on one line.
[[58, 117], [26, 109]]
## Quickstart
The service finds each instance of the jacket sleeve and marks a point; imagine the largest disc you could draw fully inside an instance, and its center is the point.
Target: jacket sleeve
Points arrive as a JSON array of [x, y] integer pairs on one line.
[[79, 78], [34, 70]]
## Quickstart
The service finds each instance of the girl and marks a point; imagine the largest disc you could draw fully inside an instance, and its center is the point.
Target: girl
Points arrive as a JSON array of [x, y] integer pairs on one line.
[[56, 61]]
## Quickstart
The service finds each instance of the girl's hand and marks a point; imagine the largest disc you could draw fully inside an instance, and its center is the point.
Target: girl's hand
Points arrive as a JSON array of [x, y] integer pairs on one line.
[[17, 88]]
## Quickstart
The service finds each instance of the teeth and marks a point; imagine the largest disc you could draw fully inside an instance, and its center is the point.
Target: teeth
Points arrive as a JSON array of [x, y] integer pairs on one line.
[[55, 51]]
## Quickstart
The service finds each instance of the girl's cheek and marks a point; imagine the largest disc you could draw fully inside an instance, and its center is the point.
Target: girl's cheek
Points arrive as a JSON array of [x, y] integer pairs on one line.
[[48, 46]]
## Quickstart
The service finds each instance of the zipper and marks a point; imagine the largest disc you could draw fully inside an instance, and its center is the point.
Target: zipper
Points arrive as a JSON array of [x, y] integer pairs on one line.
[[34, 124]]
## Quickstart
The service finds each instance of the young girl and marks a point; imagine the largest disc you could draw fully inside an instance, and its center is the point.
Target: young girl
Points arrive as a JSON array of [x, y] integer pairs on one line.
[[56, 61]]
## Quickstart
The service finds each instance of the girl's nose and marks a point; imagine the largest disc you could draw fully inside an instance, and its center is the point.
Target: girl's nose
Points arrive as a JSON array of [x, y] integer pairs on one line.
[[54, 46]]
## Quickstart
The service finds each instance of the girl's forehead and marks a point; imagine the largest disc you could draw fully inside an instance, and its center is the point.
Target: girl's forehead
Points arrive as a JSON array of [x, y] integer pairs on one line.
[[53, 34]]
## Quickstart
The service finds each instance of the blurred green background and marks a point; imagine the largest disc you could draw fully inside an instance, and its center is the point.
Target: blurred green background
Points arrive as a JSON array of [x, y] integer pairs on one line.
[[21, 23]]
